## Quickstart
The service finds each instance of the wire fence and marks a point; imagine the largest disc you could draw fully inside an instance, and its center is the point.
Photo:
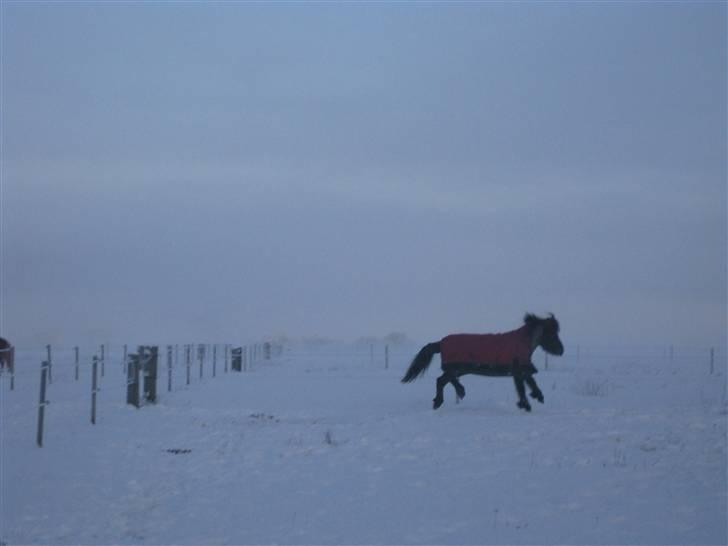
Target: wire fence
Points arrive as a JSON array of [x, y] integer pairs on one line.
[[80, 378]]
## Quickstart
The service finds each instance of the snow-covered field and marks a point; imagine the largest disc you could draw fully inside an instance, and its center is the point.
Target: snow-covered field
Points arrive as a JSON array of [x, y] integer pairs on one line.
[[322, 445]]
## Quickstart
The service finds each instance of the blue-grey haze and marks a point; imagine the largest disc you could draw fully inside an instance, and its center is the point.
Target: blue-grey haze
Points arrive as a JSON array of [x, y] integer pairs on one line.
[[228, 171]]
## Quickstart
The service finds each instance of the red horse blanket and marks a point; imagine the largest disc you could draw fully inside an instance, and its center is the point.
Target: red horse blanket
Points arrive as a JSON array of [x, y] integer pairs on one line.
[[497, 351]]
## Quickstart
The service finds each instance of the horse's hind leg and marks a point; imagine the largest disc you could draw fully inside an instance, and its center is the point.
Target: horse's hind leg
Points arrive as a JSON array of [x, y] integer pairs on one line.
[[535, 391], [439, 399], [459, 389], [521, 390]]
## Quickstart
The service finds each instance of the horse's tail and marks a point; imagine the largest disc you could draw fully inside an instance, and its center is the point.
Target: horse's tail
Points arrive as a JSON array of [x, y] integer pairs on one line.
[[421, 361]]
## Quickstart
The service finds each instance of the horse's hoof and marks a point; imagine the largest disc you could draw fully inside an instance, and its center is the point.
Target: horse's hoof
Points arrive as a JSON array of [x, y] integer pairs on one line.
[[537, 396], [460, 393], [524, 405], [436, 403]]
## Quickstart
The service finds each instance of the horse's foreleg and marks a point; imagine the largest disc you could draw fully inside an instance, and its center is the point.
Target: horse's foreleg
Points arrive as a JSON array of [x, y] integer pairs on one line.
[[521, 390], [536, 393]]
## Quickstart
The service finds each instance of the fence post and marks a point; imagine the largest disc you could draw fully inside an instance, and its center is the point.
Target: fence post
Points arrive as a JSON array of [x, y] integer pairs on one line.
[[214, 360], [123, 362], [94, 388], [712, 360], [201, 356], [187, 362], [45, 366], [103, 358], [169, 368], [226, 357], [50, 365], [132, 380], [386, 357], [76, 363], [236, 359], [151, 357]]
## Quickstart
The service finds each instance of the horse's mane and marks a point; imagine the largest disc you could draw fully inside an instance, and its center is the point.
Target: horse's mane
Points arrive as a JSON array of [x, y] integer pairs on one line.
[[533, 321]]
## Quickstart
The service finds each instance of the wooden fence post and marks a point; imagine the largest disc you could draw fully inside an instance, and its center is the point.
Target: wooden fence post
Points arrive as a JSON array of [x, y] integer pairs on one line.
[[94, 388], [150, 363], [226, 357], [236, 359], [76, 363], [201, 357], [386, 357], [42, 402], [132, 380]]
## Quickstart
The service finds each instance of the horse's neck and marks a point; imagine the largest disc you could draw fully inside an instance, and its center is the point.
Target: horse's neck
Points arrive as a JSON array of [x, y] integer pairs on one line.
[[536, 337]]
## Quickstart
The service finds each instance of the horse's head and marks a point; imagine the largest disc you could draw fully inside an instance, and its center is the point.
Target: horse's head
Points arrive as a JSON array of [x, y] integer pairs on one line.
[[546, 331]]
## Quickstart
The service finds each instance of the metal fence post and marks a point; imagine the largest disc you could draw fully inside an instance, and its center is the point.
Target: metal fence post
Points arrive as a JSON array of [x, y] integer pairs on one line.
[[45, 366], [94, 388], [169, 368], [187, 361], [76, 363], [214, 360]]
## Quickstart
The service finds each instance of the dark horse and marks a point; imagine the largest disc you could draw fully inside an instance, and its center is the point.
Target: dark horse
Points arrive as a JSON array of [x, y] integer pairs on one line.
[[7, 355], [504, 355]]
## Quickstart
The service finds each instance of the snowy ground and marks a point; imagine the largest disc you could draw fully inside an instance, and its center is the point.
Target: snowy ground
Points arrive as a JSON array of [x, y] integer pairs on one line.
[[323, 445]]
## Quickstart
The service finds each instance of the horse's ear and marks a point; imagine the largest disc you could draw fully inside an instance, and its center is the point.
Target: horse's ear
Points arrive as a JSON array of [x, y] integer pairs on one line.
[[530, 319]]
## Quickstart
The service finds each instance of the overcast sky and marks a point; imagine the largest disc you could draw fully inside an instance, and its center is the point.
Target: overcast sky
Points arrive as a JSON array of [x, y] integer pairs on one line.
[[224, 172]]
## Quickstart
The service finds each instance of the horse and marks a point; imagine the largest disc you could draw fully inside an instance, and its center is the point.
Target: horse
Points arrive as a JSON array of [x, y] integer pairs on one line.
[[494, 355], [7, 355]]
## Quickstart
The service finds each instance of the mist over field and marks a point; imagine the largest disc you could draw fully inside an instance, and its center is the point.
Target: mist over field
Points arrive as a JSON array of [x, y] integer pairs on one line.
[[237, 171]]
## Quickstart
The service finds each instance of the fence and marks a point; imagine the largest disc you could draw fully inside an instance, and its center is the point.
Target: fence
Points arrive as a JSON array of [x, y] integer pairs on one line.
[[63, 371], [119, 370]]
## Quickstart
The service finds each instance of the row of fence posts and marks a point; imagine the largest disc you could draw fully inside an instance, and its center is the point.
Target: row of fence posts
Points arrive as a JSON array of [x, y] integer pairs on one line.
[[46, 378], [141, 365], [146, 360], [145, 363]]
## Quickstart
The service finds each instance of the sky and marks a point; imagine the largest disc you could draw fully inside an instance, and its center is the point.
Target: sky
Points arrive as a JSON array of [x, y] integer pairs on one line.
[[224, 172]]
